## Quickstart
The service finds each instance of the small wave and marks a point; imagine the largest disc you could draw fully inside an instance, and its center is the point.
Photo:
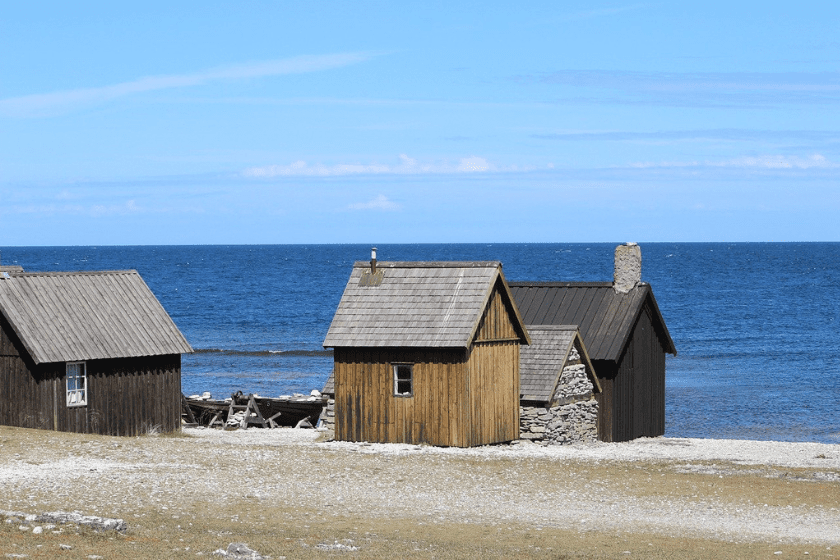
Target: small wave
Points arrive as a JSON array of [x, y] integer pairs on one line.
[[267, 353]]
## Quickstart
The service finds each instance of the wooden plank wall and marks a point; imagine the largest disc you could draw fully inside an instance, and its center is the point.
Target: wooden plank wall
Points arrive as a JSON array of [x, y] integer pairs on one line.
[[633, 402], [459, 400], [496, 323], [127, 396], [367, 410], [494, 392]]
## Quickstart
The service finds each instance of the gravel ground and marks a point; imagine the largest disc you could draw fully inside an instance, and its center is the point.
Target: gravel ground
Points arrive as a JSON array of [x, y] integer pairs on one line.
[[739, 491]]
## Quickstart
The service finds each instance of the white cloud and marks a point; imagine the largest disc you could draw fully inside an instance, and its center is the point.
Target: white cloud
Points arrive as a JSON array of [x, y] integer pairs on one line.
[[406, 166], [781, 162], [60, 102], [95, 210], [815, 161], [473, 165], [381, 202]]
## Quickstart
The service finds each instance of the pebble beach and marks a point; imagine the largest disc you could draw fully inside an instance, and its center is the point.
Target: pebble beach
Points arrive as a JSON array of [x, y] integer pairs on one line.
[[697, 488]]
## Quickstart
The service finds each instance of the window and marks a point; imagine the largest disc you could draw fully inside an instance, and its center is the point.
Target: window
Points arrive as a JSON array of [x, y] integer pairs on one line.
[[76, 384], [403, 380]]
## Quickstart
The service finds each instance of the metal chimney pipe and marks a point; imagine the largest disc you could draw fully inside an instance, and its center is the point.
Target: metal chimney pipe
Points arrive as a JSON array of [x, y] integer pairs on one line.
[[373, 260]]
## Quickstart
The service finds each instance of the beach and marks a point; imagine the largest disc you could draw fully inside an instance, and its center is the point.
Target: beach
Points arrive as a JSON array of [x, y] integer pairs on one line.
[[292, 493]]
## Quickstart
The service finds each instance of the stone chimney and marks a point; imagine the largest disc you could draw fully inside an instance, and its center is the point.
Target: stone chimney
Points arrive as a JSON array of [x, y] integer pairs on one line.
[[628, 267]]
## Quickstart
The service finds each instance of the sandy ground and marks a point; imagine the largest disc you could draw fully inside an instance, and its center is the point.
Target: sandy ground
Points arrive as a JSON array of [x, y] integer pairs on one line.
[[722, 490]]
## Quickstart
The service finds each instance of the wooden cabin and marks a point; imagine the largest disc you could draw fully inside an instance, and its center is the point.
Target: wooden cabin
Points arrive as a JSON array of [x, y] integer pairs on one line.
[[90, 352], [427, 352], [626, 338]]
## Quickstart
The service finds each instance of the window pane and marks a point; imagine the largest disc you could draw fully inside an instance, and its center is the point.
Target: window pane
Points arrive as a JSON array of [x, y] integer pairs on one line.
[[403, 382]]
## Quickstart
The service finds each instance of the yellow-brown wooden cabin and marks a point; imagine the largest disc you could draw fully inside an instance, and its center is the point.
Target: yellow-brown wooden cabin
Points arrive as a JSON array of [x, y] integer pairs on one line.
[[427, 352]]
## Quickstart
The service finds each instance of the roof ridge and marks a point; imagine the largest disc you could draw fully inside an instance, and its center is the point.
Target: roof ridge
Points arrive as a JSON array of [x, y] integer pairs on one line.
[[428, 264], [72, 273], [555, 284]]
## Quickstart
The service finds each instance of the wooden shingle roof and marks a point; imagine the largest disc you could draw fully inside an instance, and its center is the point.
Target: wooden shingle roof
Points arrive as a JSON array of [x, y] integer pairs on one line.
[[605, 317], [541, 363], [417, 304], [70, 316]]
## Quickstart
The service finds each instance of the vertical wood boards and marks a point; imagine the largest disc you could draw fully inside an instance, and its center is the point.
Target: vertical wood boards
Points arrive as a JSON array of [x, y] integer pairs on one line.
[[632, 403], [125, 396], [461, 397]]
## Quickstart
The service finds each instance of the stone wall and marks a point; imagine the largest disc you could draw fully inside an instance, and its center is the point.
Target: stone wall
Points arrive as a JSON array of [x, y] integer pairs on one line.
[[573, 418], [327, 419]]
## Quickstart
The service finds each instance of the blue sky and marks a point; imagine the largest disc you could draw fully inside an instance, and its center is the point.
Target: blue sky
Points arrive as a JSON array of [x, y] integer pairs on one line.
[[374, 122]]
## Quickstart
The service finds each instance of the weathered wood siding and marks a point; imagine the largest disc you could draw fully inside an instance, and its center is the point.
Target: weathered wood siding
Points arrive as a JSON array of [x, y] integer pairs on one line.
[[460, 398], [496, 323], [366, 408], [632, 403], [494, 391], [126, 396]]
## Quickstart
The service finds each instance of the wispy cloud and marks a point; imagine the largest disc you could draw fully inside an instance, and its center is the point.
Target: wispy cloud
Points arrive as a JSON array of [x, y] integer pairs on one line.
[[406, 166], [723, 89], [600, 12], [725, 134], [61, 102], [768, 162], [381, 203], [94, 211]]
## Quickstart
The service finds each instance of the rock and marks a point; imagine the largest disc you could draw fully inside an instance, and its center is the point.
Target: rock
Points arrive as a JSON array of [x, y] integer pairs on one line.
[[98, 523], [239, 551]]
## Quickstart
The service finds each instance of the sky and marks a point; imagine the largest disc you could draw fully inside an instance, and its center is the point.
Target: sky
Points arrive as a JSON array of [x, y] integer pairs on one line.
[[145, 123]]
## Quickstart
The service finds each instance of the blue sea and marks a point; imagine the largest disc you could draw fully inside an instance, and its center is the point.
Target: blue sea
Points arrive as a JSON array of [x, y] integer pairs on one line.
[[756, 325]]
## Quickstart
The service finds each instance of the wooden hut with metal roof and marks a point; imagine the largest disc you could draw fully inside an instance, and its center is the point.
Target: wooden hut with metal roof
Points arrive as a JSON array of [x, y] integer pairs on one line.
[[90, 352], [427, 352], [625, 335]]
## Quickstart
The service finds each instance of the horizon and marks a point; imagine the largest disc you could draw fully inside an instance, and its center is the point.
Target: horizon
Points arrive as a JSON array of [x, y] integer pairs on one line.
[[262, 124]]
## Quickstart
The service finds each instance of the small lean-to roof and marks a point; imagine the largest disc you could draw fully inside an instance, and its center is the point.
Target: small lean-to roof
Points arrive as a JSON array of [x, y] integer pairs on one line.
[[605, 317], [418, 304], [73, 316], [541, 363]]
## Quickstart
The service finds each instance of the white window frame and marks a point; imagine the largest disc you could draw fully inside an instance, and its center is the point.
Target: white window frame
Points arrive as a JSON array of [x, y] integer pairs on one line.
[[397, 380], [76, 384]]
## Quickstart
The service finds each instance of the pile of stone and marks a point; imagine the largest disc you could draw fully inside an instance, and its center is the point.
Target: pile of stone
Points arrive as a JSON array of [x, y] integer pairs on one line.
[[327, 419], [49, 521]]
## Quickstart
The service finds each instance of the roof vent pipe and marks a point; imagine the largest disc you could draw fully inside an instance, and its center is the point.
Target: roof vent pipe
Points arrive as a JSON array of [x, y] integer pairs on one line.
[[373, 260], [628, 267]]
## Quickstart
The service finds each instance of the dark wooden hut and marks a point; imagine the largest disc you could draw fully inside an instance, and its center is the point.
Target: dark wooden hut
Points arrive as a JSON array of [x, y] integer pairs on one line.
[[626, 337], [427, 352], [90, 352]]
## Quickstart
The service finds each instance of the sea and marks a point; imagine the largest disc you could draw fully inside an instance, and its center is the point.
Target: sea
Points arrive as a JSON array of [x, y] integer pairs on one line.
[[756, 325]]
